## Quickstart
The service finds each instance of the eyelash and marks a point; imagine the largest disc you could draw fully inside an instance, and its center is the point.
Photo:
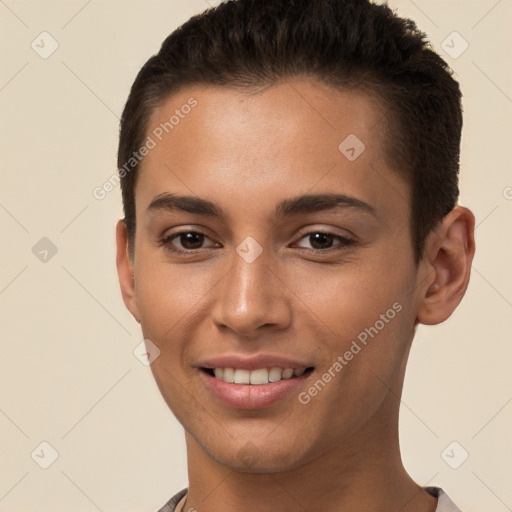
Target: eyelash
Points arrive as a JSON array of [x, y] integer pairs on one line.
[[345, 242]]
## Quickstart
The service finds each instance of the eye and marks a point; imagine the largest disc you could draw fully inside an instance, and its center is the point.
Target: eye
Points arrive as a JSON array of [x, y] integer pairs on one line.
[[189, 242], [321, 241], [184, 242]]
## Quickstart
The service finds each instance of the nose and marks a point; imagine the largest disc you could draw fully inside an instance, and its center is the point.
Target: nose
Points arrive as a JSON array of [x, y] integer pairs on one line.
[[252, 299]]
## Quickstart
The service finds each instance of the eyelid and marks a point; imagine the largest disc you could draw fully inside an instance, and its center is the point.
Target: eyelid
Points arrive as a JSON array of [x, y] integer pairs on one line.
[[165, 241], [328, 230], [345, 241]]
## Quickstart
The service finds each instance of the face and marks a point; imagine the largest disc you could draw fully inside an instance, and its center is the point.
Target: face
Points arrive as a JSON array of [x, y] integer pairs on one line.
[[254, 273]]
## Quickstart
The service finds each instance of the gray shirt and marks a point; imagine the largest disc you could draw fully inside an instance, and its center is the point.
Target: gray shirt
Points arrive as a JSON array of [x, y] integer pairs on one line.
[[444, 503]]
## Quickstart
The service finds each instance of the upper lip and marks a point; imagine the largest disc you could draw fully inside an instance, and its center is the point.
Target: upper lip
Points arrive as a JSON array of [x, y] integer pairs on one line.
[[254, 362]]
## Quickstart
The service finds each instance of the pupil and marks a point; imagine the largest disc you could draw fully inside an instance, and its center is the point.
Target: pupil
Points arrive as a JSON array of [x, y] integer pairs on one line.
[[191, 240], [322, 239]]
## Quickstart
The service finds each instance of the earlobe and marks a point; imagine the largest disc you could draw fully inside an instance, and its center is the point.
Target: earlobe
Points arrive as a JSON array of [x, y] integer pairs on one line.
[[447, 262], [125, 270]]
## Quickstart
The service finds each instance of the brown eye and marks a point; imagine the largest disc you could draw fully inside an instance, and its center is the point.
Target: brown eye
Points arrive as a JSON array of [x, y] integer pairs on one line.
[[323, 242], [185, 241], [191, 240]]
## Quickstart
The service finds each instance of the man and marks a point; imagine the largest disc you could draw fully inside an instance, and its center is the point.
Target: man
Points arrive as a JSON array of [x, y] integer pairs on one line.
[[289, 172]]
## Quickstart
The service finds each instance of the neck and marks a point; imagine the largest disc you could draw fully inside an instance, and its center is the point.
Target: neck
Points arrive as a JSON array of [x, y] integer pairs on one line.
[[351, 478], [364, 472]]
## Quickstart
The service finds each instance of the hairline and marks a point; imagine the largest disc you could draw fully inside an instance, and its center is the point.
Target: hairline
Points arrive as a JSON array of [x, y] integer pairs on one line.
[[372, 90]]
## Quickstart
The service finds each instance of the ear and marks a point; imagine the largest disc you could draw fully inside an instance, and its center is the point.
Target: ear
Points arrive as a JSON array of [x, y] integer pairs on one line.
[[446, 266], [125, 270]]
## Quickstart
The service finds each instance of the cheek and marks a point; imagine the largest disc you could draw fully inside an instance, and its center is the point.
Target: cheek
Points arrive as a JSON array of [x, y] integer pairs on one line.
[[168, 294], [348, 298], [365, 319]]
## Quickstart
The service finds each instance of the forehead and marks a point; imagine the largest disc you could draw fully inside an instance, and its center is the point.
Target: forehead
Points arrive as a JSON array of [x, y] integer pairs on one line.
[[225, 142], [314, 111]]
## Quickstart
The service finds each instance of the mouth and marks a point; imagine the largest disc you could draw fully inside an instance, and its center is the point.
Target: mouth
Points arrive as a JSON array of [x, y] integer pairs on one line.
[[258, 377], [240, 388]]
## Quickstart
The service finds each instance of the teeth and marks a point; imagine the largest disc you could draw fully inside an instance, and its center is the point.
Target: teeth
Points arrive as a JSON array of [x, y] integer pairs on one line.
[[275, 374], [256, 377], [228, 375], [288, 373], [259, 376], [242, 377]]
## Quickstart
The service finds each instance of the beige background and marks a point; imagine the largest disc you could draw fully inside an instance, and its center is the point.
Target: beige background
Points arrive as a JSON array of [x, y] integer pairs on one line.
[[68, 373]]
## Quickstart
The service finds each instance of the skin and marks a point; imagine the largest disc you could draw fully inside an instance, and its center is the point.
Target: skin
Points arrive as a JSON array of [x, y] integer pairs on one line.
[[246, 152]]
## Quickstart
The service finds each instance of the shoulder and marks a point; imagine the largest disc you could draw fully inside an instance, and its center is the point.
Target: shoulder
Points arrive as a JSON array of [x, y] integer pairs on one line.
[[444, 503], [170, 506]]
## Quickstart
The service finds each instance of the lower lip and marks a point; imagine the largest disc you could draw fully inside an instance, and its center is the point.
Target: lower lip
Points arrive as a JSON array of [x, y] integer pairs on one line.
[[250, 396]]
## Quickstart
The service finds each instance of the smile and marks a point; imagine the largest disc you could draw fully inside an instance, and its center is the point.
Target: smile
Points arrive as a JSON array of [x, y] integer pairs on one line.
[[255, 377]]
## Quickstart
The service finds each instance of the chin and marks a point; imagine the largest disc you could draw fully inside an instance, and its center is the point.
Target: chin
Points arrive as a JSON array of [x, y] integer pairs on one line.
[[263, 455]]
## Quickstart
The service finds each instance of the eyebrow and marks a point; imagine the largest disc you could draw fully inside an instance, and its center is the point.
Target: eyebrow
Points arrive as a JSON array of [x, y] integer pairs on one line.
[[307, 203]]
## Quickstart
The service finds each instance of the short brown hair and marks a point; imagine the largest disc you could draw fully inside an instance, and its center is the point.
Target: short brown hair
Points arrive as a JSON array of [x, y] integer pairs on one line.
[[350, 44]]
